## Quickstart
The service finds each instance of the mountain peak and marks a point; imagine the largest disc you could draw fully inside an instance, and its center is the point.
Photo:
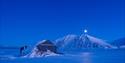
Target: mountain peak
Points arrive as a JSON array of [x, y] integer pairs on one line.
[[71, 42]]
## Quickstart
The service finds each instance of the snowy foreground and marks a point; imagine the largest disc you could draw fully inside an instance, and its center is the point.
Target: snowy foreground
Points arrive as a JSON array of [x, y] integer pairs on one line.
[[94, 56]]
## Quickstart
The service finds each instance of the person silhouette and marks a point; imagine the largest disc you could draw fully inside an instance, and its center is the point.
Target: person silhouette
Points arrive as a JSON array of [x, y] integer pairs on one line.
[[22, 50]]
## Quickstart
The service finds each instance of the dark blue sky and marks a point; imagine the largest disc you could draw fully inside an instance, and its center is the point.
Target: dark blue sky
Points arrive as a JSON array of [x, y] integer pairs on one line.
[[29, 21]]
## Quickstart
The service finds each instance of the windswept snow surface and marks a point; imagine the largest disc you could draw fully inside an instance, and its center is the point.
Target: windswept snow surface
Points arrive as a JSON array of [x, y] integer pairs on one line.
[[96, 56]]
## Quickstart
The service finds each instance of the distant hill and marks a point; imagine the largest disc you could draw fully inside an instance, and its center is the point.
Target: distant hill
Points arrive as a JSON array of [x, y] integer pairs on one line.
[[119, 42]]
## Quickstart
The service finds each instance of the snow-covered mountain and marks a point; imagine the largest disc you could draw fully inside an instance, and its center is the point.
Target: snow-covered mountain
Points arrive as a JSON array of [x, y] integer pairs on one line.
[[74, 42], [68, 43], [119, 43]]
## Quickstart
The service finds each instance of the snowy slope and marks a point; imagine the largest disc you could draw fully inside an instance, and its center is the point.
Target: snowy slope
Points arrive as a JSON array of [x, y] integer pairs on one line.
[[99, 42], [67, 42], [71, 42]]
